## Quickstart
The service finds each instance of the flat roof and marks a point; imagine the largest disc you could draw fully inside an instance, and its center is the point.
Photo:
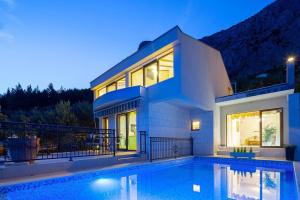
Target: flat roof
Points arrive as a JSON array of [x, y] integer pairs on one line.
[[255, 92]]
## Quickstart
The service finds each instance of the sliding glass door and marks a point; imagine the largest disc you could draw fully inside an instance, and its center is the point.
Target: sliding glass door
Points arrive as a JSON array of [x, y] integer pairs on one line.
[[126, 132], [258, 128]]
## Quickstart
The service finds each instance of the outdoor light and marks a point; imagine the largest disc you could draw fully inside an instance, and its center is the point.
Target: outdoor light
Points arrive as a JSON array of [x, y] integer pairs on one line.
[[196, 188], [196, 125], [291, 59]]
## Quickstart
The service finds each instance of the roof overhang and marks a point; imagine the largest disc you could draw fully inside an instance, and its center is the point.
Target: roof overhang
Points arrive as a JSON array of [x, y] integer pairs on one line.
[[256, 98]]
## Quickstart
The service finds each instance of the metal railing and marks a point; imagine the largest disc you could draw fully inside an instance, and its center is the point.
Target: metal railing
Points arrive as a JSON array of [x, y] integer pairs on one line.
[[29, 141], [164, 147]]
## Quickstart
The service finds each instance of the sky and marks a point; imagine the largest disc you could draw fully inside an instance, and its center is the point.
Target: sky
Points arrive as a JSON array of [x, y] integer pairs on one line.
[[71, 42]]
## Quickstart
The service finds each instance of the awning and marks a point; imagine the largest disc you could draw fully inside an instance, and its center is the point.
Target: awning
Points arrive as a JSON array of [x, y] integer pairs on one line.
[[118, 108]]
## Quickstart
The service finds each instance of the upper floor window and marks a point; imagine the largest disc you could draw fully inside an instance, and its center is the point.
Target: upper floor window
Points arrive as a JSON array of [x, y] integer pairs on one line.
[[100, 92], [166, 69], [111, 87], [137, 78], [154, 72], [121, 83], [151, 75]]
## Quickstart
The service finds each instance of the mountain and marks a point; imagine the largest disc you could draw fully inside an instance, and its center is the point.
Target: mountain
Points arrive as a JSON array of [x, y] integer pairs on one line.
[[262, 42]]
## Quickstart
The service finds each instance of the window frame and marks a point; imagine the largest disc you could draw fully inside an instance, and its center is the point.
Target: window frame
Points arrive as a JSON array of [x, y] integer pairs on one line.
[[118, 81], [260, 126], [141, 68], [159, 65]]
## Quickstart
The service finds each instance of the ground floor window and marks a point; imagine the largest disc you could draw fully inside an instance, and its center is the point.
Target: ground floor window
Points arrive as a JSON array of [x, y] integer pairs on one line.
[[258, 128]]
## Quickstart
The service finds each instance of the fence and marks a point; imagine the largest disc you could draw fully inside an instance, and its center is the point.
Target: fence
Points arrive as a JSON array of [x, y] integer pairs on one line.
[[29, 141], [164, 147]]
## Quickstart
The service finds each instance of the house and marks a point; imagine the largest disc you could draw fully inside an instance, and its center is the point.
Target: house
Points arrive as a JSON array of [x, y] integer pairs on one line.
[[177, 86]]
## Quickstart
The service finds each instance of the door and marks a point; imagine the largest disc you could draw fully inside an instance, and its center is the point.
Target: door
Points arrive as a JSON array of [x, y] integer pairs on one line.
[[105, 140], [126, 124]]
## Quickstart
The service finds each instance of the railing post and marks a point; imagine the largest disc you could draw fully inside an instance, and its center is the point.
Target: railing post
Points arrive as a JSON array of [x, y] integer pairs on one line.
[[150, 149], [114, 143]]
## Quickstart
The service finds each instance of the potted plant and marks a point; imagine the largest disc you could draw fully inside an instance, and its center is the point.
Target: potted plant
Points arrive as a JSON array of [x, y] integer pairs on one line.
[[242, 152], [24, 148]]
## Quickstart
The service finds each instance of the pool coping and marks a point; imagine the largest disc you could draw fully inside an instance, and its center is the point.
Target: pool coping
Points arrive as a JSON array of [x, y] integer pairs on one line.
[[297, 176]]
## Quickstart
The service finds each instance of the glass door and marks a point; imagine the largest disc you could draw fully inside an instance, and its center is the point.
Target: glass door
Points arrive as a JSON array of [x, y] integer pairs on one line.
[[131, 130], [126, 124], [122, 132]]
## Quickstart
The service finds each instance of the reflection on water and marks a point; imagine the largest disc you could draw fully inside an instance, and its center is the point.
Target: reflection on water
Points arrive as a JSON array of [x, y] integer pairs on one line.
[[249, 185]]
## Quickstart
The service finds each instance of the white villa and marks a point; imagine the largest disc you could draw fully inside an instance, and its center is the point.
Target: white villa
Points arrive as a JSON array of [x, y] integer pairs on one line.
[[177, 86]]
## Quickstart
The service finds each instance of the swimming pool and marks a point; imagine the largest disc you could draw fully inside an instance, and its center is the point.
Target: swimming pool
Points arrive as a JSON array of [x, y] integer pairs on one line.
[[188, 178]]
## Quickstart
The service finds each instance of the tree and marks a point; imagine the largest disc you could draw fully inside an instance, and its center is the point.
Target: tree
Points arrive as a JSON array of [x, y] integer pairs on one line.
[[64, 114]]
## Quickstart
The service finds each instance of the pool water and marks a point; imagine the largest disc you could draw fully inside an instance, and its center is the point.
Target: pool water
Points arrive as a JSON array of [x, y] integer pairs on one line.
[[191, 178]]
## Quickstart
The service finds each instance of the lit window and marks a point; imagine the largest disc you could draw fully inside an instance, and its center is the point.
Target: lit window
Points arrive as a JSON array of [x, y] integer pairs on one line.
[[111, 87], [151, 74], [121, 84], [195, 125], [137, 78], [166, 69], [100, 92], [196, 188]]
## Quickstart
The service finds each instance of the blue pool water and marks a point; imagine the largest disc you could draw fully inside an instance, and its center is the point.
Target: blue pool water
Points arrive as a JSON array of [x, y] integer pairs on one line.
[[192, 178]]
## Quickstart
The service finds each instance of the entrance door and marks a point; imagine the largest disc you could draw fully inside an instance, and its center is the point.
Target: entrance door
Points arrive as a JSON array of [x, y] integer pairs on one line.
[[126, 124]]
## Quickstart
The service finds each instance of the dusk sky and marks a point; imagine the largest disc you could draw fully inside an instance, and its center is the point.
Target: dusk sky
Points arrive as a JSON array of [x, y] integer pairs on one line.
[[71, 42]]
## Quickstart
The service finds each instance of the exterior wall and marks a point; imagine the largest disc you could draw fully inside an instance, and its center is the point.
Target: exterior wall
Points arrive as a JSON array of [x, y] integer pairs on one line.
[[294, 122], [278, 102], [203, 141], [168, 120], [203, 74]]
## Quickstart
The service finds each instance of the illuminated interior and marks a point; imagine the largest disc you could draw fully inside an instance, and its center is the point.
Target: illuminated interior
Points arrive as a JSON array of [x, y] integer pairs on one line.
[[151, 74], [159, 70], [121, 84], [249, 128], [137, 78], [166, 69]]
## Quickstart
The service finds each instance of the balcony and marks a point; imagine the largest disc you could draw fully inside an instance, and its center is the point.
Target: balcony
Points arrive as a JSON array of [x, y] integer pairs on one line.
[[118, 96]]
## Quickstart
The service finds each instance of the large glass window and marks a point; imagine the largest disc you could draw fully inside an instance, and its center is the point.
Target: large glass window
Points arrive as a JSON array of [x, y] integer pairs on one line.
[[151, 74], [259, 128], [100, 92], [243, 129], [166, 69], [271, 125], [121, 84], [137, 78], [111, 87]]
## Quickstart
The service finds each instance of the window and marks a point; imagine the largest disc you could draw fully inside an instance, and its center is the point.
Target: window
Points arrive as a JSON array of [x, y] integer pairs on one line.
[[243, 129], [151, 74], [166, 70], [137, 78], [121, 83], [195, 125], [111, 87], [100, 92], [259, 128], [271, 127]]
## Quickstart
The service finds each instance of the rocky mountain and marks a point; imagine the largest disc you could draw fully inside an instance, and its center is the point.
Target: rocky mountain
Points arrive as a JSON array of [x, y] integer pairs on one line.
[[262, 42]]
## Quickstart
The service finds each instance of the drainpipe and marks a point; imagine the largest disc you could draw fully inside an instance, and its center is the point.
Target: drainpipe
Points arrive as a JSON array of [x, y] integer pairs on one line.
[[290, 71]]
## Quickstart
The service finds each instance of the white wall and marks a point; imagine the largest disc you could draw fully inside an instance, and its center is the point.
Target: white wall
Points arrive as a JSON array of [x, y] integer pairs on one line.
[[278, 102], [203, 140], [294, 122], [167, 120], [203, 74]]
